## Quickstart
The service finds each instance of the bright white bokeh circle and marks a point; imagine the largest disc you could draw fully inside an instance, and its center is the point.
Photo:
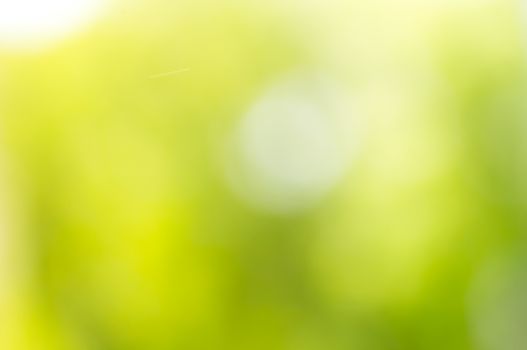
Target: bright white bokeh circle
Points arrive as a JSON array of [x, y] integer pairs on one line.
[[36, 23], [293, 145]]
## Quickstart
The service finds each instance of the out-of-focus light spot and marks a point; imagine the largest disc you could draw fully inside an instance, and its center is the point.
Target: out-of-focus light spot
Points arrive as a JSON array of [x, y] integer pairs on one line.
[[293, 145], [411, 147], [34, 23], [498, 304]]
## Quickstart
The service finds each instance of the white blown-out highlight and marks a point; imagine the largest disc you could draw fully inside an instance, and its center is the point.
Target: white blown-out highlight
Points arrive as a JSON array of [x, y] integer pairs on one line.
[[35, 23]]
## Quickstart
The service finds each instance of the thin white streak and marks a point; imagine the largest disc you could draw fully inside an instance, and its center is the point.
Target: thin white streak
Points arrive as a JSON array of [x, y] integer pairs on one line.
[[166, 74]]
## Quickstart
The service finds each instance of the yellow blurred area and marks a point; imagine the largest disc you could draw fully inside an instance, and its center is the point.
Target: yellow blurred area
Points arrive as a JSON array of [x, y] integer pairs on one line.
[[280, 175]]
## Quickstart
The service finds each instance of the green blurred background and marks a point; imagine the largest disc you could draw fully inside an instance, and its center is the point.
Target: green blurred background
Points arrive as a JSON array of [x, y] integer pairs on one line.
[[263, 175]]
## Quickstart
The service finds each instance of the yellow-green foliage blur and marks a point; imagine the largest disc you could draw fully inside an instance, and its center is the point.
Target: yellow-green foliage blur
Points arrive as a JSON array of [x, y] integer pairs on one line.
[[263, 175]]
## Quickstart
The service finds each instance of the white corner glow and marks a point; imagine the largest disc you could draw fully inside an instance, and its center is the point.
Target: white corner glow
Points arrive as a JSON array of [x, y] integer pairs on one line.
[[35, 23]]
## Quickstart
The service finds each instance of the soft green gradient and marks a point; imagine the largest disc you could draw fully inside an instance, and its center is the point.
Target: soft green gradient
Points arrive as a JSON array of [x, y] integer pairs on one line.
[[138, 213]]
